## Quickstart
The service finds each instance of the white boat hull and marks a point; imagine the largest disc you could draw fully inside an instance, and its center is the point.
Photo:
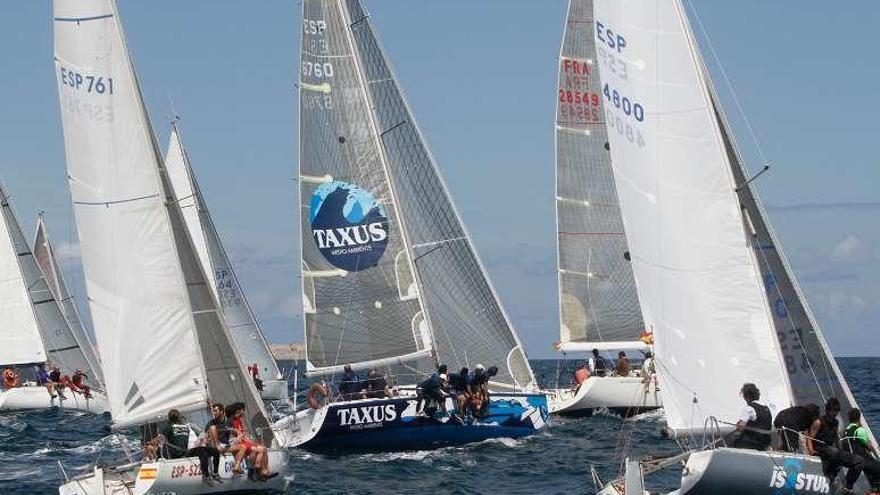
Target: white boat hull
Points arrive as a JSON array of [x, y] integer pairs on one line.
[[24, 398], [177, 476], [625, 395]]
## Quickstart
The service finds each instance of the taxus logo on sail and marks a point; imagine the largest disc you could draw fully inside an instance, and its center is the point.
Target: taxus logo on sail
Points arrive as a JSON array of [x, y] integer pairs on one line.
[[349, 226], [364, 415], [789, 480]]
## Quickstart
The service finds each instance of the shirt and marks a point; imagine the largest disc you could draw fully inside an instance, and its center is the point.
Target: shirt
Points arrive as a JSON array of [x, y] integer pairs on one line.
[[177, 438], [861, 433], [42, 377], [222, 426]]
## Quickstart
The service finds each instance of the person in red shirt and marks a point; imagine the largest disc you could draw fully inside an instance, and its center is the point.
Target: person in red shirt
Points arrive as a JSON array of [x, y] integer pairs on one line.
[[580, 376], [256, 452]]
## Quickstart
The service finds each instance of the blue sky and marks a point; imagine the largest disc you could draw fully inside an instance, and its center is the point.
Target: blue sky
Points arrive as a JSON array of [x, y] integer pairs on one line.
[[480, 77]]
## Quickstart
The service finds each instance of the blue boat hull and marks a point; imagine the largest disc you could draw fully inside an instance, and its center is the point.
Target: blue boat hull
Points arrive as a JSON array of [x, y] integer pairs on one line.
[[396, 424]]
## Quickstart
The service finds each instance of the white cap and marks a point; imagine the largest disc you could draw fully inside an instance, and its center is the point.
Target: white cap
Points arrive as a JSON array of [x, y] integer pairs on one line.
[[479, 367]]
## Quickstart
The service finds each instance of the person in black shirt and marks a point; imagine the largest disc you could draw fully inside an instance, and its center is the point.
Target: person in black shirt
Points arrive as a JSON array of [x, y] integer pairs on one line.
[[794, 421], [217, 435], [823, 441], [377, 386], [458, 383]]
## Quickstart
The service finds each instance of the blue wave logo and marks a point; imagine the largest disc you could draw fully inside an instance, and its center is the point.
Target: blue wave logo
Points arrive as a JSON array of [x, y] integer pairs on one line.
[[349, 226]]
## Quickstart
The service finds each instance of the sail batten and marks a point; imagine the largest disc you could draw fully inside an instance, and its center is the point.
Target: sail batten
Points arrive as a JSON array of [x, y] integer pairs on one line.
[[598, 300]]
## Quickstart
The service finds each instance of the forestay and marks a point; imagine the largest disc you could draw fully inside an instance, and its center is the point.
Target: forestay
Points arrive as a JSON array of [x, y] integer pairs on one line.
[[44, 254], [468, 323], [20, 341], [246, 332], [696, 275], [361, 300], [163, 340], [598, 302]]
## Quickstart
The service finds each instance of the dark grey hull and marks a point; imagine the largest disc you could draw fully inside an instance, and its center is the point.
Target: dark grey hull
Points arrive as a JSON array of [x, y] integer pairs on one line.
[[726, 471]]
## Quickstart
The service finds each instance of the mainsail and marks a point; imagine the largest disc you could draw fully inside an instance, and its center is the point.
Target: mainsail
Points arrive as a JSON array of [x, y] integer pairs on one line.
[[45, 257], [697, 277], [164, 341], [41, 310], [390, 270], [598, 302], [241, 321]]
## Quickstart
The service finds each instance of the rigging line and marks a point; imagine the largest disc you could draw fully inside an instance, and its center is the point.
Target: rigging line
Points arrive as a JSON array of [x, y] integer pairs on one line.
[[590, 296], [727, 82]]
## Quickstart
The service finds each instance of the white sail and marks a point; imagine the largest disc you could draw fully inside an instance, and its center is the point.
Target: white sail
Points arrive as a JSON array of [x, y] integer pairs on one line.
[[163, 340], [44, 254], [20, 341], [698, 283], [242, 323]]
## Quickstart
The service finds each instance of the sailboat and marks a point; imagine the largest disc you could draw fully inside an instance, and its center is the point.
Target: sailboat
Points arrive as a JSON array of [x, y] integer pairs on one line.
[[598, 301], [164, 339], [711, 277], [391, 280], [35, 330], [246, 333], [44, 253]]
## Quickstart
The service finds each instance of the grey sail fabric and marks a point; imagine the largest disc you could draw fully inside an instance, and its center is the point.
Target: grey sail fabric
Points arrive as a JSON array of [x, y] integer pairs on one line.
[[242, 323], [597, 294], [361, 300], [468, 323], [44, 254], [812, 372], [62, 349]]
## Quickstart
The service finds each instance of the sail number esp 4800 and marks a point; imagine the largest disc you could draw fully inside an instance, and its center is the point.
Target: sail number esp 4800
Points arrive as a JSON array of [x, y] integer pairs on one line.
[[622, 111]]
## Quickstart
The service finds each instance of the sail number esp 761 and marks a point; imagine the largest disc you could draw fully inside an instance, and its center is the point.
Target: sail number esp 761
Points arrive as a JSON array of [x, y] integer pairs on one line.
[[85, 82]]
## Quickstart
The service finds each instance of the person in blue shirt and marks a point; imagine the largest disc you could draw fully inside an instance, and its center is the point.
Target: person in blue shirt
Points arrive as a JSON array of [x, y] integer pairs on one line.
[[350, 387], [44, 380]]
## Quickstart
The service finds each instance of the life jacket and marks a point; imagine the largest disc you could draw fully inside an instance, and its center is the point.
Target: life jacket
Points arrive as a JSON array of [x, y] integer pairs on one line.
[[851, 443], [751, 439], [600, 365], [827, 434]]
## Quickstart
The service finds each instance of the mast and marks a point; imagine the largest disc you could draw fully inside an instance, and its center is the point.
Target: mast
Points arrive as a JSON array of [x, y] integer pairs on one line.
[[598, 301]]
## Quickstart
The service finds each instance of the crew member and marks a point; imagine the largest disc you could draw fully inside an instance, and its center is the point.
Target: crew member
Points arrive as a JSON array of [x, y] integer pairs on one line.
[[755, 421], [793, 422], [823, 441]]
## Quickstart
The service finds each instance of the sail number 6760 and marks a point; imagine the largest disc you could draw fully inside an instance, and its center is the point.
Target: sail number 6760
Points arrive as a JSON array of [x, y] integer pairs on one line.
[[631, 109]]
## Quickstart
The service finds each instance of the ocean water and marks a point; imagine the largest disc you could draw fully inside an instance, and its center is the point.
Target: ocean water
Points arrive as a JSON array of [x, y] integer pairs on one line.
[[555, 460]]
